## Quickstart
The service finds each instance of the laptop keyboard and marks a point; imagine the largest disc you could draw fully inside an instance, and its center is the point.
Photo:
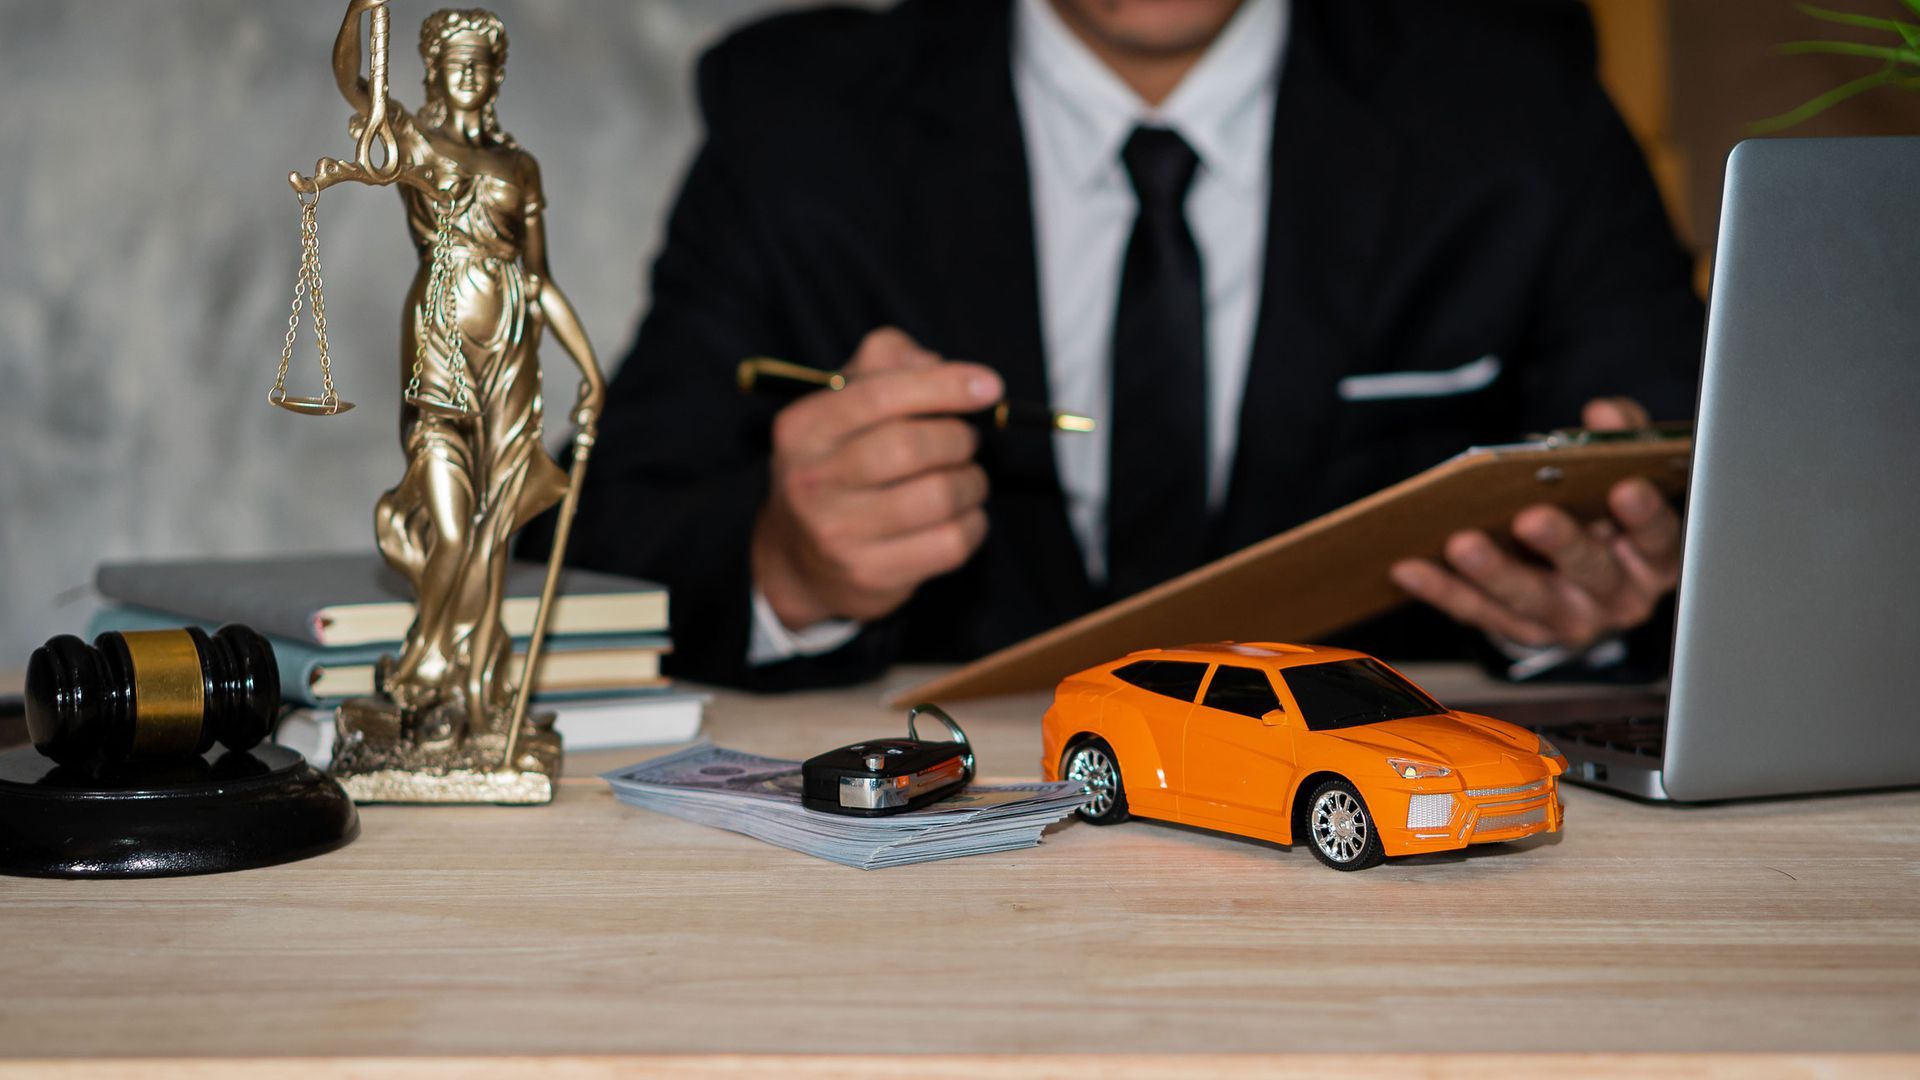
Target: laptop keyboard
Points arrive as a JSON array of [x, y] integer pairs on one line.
[[1640, 736], [1630, 725]]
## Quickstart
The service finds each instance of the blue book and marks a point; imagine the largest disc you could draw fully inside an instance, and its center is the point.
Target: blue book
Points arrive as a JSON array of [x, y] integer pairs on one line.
[[572, 666]]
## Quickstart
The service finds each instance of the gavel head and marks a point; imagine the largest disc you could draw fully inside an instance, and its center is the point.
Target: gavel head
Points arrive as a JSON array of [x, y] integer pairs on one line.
[[151, 695]]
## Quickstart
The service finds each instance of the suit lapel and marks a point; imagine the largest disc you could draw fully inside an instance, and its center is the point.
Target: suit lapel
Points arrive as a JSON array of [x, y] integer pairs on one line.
[[975, 226], [1334, 172]]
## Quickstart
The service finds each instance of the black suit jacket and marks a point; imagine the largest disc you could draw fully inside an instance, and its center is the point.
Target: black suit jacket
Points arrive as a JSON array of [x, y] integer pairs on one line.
[[1449, 181]]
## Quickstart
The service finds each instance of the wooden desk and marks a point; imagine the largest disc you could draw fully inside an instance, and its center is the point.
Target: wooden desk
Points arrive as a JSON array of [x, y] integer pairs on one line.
[[591, 928]]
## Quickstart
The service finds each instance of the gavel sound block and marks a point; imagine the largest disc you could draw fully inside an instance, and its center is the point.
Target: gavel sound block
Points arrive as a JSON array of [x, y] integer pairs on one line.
[[149, 759]]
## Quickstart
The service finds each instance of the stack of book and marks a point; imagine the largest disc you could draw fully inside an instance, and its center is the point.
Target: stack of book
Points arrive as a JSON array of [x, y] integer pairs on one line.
[[331, 617]]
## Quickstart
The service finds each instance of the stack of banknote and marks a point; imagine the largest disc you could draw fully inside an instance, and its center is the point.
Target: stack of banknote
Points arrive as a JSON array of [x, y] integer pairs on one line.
[[760, 797]]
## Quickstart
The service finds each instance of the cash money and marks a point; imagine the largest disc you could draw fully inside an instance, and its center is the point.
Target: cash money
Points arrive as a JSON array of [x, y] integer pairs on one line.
[[760, 797]]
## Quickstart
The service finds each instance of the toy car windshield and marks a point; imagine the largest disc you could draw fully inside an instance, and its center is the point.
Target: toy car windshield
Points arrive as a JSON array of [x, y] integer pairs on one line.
[[1350, 693]]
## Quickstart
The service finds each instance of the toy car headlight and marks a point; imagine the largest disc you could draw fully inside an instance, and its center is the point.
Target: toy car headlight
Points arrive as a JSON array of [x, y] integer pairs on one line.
[[1549, 751], [1410, 769]]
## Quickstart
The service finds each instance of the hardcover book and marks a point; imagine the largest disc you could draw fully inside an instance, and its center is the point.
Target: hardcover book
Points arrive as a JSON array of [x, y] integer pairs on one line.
[[356, 599], [648, 719], [309, 674]]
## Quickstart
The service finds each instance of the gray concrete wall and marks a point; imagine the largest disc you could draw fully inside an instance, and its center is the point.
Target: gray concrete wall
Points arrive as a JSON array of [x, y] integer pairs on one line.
[[147, 253]]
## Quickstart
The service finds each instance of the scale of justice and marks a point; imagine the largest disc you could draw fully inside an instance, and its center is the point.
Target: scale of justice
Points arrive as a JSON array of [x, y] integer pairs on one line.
[[449, 721]]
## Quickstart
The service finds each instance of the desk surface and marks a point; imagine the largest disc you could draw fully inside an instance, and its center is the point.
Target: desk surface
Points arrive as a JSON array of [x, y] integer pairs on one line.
[[588, 927]]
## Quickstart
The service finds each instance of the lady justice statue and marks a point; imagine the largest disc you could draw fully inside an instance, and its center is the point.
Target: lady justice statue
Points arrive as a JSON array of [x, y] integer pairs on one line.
[[449, 723]]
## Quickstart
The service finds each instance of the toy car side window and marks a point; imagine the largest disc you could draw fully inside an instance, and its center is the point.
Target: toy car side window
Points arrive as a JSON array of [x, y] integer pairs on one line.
[[1242, 690], [1174, 678]]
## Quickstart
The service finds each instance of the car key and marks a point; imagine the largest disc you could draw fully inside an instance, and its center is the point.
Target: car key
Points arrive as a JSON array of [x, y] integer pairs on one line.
[[889, 776]]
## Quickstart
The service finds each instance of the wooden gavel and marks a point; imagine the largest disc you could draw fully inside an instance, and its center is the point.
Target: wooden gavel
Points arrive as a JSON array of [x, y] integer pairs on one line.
[[151, 695]]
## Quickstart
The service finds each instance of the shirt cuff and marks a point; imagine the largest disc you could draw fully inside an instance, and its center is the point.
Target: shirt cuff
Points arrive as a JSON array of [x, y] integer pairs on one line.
[[1529, 662], [771, 641]]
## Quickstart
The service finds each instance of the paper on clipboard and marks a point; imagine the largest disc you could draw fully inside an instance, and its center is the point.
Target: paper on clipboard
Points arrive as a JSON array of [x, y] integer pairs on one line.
[[1331, 572]]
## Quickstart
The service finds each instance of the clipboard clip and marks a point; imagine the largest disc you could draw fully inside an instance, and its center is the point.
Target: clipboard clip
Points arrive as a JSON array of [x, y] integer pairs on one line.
[[1566, 437]]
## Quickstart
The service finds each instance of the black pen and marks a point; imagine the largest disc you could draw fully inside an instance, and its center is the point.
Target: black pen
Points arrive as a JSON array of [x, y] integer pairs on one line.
[[764, 374]]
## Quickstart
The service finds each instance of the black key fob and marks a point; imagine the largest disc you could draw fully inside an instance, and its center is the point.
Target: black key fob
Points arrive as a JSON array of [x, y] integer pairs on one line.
[[889, 776]]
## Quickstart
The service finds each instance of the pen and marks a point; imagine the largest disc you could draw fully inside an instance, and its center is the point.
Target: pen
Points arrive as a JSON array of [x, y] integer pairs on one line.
[[764, 374]]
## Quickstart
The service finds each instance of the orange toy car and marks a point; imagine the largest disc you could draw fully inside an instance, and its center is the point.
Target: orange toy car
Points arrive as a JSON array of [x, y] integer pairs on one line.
[[1282, 741]]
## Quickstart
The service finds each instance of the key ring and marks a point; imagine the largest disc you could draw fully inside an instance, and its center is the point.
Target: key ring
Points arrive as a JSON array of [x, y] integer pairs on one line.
[[939, 714]]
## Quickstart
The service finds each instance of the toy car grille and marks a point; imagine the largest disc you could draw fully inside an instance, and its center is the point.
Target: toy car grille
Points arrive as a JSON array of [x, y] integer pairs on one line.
[[1429, 811], [1502, 822], [1490, 792]]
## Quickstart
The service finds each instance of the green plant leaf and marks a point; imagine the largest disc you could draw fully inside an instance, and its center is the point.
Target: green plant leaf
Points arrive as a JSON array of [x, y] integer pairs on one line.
[[1871, 22], [1824, 102], [1914, 5], [1851, 48]]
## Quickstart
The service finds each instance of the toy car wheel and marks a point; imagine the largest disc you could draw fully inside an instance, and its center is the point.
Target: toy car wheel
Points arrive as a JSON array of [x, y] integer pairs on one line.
[[1340, 829], [1091, 762]]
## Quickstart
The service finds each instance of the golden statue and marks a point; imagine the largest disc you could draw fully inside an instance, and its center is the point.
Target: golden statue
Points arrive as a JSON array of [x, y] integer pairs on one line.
[[450, 724]]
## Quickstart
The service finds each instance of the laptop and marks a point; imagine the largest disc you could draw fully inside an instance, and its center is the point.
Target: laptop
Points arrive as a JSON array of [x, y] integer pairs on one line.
[[1796, 664]]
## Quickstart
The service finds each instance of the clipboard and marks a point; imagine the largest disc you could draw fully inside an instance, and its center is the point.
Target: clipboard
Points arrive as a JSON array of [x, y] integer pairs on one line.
[[1331, 572]]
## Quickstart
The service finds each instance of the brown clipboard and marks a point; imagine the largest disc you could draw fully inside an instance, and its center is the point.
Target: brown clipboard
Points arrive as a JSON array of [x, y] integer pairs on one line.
[[1331, 572]]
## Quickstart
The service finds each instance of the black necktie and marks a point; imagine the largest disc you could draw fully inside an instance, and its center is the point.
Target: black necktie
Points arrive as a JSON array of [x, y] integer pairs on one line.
[[1157, 472]]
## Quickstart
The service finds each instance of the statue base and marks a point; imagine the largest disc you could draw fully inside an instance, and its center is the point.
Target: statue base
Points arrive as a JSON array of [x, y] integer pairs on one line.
[[377, 761], [226, 810]]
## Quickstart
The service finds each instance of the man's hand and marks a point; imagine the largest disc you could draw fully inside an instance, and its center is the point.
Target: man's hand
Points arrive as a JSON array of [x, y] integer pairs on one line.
[[1598, 579], [874, 486]]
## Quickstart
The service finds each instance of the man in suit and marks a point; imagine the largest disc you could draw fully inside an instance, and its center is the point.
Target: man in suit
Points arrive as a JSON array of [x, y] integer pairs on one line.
[[1287, 251]]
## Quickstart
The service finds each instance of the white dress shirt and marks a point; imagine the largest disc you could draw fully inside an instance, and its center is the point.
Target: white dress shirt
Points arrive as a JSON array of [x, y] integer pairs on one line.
[[1076, 114]]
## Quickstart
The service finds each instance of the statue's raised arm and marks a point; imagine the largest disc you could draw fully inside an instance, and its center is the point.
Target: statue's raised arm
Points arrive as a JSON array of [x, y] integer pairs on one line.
[[346, 55], [373, 108]]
